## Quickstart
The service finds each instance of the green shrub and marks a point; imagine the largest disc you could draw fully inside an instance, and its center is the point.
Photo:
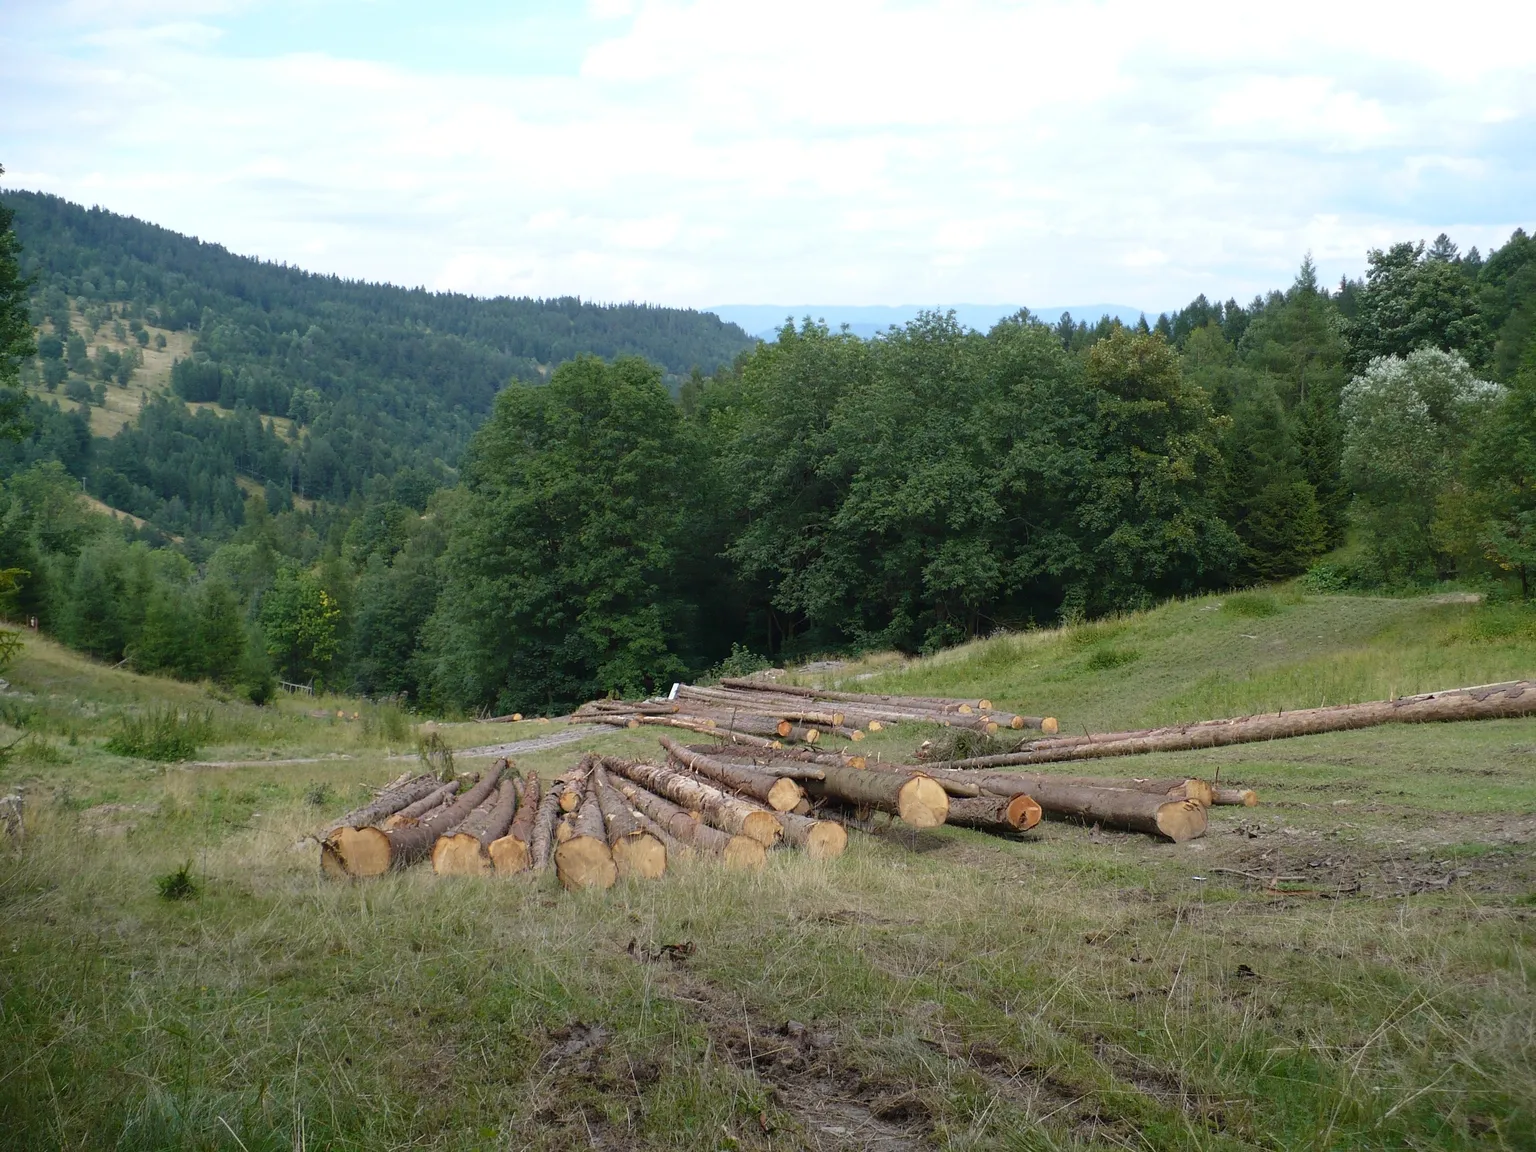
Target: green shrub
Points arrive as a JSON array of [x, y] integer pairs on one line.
[[1251, 604], [177, 885], [1103, 659], [741, 662], [318, 794], [387, 722], [436, 756], [162, 734]]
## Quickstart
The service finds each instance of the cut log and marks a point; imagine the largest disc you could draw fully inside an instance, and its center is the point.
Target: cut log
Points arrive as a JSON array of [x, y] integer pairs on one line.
[[818, 839], [395, 796], [635, 851], [726, 812], [466, 852], [917, 798], [1486, 702], [584, 860], [779, 793], [539, 846], [1243, 797], [736, 851], [511, 853], [431, 802], [373, 851], [1126, 808], [1017, 813]]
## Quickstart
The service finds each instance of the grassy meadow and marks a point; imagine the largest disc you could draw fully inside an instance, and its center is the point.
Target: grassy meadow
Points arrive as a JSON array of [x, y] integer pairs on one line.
[[1347, 966]]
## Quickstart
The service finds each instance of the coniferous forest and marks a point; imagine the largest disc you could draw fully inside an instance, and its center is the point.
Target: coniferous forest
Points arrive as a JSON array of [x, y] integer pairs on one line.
[[519, 504]]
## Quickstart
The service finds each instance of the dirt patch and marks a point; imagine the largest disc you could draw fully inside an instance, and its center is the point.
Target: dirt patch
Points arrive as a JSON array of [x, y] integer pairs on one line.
[[837, 1105], [582, 1084]]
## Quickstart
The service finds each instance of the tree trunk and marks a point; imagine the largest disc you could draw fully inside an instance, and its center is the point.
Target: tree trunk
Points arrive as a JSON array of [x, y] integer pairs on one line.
[[585, 860], [411, 814], [467, 851], [898, 709], [544, 828], [635, 851], [1486, 702], [373, 851], [818, 839], [1242, 797], [736, 851], [394, 797], [510, 854], [724, 811], [1156, 815], [917, 798], [1017, 813], [779, 793]]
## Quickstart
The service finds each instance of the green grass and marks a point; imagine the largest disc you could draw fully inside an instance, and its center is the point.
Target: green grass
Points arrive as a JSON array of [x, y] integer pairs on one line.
[[1069, 989]]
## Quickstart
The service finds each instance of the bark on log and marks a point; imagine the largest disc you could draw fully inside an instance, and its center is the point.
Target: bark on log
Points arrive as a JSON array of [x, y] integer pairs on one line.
[[736, 851], [373, 851], [635, 851], [1017, 813], [726, 812], [540, 846], [1485, 702], [466, 851], [431, 802], [397, 795], [779, 793], [818, 839], [1242, 797], [512, 853], [916, 797], [1156, 815], [584, 860]]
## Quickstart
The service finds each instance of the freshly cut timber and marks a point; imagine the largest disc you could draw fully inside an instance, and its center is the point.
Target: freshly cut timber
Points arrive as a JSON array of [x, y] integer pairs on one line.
[[1017, 813], [466, 851], [818, 839], [544, 828], [916, 797], [1149, 812], [428, 804], [394, 797], [1486, 702], [778, 792], [373, 851], [635, 851], [726, 812], [1242, 797], [865, 706], [736, 851], [584, 860], [511, 853]]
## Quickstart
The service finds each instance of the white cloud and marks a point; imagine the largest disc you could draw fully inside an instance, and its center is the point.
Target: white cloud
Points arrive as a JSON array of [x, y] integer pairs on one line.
[[865, 151]]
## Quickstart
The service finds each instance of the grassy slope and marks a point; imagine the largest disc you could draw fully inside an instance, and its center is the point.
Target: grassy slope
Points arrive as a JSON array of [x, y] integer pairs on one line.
[[1072, 988]]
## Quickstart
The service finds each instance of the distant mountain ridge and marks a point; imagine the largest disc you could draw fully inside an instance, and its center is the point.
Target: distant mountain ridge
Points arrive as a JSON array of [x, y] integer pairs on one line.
[[868, 320]]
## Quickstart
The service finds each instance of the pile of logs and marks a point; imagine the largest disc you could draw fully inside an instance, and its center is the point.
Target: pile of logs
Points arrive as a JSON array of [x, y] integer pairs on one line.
[[768, 715]]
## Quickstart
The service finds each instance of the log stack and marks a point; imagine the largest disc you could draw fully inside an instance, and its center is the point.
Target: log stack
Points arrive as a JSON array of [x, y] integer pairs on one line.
[[753, 711]]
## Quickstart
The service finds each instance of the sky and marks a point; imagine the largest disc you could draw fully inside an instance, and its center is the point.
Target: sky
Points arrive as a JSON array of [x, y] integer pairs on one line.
[[732, 152]]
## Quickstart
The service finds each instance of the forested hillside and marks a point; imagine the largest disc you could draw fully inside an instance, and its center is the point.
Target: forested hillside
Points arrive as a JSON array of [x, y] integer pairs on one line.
[[613, 527], [375, 379]]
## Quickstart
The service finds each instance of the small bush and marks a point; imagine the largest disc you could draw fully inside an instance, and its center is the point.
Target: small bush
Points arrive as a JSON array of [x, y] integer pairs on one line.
[[161, 734], [177, 885], [741, 662], [35, 750], [387, 722], [318, 794], [1103, 659], [963, 743], [436, 756], [1251, 604], [1335, 578]]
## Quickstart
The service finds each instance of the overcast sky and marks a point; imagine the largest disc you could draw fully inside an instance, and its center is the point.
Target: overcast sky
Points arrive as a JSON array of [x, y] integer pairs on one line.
[[726, 151]]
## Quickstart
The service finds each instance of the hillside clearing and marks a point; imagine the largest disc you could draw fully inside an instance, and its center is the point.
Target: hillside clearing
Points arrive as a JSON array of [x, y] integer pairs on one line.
[[1345, 966]]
